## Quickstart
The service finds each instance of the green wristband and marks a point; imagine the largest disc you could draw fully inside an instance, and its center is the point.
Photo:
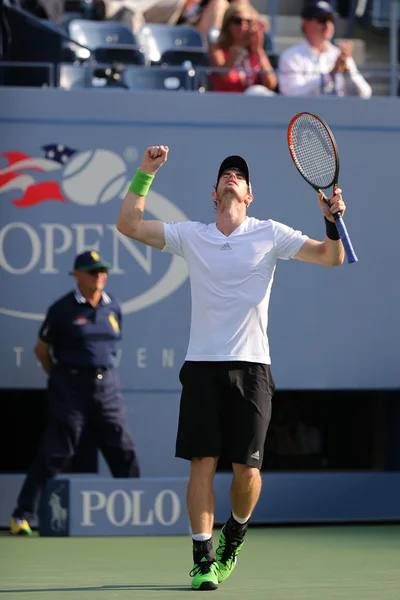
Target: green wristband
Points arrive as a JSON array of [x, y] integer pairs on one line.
[[141, 183]]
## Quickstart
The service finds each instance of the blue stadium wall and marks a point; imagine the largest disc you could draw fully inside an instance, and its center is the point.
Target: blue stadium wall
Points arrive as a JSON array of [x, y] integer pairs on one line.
[[108, 132]]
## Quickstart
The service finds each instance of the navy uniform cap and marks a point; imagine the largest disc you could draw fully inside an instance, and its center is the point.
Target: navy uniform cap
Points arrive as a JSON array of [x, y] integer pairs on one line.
[[235, 162], [90, 261], [315, 10]]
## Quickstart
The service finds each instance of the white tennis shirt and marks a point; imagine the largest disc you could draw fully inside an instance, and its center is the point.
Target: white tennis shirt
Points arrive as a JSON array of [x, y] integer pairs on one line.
[[231, 279]]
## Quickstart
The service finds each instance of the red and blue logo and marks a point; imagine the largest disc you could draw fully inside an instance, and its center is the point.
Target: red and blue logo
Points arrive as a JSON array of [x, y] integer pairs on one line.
[[63, 174]]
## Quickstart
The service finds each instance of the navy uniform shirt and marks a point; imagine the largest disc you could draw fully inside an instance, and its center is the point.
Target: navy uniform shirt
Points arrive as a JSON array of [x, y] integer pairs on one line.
[[80, 335]]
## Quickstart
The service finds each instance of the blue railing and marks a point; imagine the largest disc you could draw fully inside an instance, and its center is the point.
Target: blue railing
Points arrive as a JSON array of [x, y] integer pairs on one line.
[[135, 78]]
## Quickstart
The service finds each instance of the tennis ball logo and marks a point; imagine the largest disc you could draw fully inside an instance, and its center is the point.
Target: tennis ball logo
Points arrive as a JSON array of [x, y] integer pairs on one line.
[[94, 177]]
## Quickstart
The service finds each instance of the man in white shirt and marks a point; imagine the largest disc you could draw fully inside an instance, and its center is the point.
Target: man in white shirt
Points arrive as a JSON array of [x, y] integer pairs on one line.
[[227, 385], [315, 66]]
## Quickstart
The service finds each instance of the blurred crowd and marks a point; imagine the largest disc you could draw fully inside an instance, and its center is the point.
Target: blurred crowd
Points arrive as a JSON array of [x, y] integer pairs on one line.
[[238, 52]]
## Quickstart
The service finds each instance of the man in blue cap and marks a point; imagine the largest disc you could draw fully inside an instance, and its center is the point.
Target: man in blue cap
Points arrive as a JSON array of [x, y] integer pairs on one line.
[[77, 348], [315, 66]]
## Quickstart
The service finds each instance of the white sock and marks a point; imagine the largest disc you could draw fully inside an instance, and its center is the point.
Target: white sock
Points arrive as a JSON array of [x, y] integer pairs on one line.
[[201, 537], [239, 520]]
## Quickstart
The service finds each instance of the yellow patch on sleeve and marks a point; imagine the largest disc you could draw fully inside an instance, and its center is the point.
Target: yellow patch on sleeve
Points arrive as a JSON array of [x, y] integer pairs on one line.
[[114, 322]]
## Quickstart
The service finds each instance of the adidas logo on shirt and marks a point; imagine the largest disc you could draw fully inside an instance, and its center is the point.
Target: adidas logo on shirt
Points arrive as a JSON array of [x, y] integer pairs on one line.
[[226, 247], [256, 455]]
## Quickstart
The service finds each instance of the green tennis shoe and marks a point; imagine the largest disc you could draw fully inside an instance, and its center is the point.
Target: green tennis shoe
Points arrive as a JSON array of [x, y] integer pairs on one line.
[[205, 575], [227, 552]]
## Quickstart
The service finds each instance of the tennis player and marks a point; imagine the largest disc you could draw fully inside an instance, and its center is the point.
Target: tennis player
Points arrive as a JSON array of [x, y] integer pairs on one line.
[[227, 385]]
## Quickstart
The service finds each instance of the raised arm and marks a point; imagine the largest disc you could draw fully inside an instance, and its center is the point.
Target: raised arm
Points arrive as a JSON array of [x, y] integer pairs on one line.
[[217, 59], [130, 220], [330, 252]]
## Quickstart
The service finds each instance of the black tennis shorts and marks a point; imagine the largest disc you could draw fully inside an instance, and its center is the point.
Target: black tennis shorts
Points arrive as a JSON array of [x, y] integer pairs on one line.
[[225, 410]]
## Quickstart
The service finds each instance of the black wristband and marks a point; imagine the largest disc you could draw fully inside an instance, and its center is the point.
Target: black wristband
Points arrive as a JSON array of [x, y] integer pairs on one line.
[[331, 230]]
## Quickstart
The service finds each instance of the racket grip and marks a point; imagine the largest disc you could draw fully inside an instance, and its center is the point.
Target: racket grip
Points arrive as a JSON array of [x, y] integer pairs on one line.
[[344, 236]]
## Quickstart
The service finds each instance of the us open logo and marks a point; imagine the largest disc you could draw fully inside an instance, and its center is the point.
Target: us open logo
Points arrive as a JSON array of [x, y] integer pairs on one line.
[[64, 177]]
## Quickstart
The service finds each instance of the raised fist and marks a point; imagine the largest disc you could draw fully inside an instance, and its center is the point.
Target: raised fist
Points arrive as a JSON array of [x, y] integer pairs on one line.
[[153, 159]]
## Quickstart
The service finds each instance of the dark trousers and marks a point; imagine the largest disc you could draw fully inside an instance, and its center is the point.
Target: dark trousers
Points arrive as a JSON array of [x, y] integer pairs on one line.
[[78, 399]]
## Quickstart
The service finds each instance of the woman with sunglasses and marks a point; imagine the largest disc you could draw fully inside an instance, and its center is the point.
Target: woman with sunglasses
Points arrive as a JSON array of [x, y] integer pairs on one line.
[[238, 53]]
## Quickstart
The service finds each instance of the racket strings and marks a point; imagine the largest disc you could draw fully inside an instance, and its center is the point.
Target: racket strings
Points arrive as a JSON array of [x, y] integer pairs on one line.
[[314, 151]]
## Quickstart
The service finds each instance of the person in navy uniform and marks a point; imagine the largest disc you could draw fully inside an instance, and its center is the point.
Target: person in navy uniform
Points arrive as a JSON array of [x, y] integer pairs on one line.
[[77, 348]]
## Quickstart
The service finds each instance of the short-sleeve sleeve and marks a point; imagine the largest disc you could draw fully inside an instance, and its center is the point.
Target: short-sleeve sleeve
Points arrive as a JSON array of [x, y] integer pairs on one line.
[[48, 330], [175, 236], [287, 241]]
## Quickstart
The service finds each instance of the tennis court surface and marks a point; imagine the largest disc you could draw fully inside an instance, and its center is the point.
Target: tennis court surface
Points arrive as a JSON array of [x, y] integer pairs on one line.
[[283, 563]]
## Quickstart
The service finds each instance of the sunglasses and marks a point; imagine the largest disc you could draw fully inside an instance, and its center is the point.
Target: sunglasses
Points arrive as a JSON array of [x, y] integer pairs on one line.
[[240, 20]]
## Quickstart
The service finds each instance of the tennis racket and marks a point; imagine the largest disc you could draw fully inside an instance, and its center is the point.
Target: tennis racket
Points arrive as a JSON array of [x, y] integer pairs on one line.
[[315, 155]]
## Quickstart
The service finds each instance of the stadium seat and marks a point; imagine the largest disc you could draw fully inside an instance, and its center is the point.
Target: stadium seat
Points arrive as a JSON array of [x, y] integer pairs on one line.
[[109, 42], [86, 76], [158, 38], [73, 76], [182, 56], [72, 52], [96, 34], [68, 17], [157, 78], [119, 53]]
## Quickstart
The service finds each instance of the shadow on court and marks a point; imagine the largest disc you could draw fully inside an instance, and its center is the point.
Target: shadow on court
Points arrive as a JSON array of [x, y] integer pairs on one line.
[[153, 588]]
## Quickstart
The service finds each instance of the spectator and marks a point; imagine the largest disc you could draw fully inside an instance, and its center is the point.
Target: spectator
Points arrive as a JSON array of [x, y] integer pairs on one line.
[[240, 48], [315, 66], [135, 13], [206, 14], [54, 9]]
